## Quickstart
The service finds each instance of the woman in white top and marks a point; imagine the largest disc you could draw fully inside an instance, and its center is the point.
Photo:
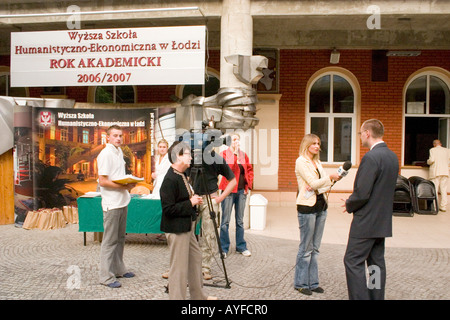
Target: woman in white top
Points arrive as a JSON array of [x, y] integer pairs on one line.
[[162, 164], [311, 202]]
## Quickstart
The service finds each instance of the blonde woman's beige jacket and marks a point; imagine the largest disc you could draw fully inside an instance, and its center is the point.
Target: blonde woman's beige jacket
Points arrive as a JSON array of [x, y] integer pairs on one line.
[[307, 176]]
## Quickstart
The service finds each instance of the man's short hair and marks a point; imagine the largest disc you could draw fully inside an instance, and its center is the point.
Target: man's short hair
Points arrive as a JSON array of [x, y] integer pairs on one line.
[[375, 126], [114, 126]]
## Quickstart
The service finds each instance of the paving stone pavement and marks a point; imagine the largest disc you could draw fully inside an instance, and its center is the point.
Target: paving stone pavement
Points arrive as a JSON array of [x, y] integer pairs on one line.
[[55, 265]]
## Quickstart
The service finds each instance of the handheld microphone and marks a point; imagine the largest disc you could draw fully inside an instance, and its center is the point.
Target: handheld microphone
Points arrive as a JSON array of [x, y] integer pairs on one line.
[[343, 170]]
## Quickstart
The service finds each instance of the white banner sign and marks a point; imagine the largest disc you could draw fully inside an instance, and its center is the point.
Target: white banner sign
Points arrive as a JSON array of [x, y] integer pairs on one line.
[[136, 56]]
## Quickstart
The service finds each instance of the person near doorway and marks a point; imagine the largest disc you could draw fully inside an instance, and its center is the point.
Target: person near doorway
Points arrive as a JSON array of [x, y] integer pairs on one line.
[[438, 172]]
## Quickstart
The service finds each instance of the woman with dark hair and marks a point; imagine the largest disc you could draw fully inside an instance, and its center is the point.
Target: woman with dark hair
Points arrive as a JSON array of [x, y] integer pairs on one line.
[[178, 221]]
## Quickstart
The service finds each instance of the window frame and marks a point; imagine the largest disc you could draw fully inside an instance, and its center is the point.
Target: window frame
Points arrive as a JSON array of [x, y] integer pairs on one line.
[[93, 89], [179, 89], [440, 73], [5, 71]]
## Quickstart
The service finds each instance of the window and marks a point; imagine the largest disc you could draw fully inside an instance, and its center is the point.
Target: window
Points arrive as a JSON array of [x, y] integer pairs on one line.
[[427, 115], [104, 138], [85, 136], [331, 115], [114, 94], [6, 90], [132, 136], [211, 87], [64, 134]]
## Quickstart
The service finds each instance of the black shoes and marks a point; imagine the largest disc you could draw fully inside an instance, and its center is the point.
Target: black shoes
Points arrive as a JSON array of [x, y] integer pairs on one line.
[[305, 291], [318, 290], [309, 292]]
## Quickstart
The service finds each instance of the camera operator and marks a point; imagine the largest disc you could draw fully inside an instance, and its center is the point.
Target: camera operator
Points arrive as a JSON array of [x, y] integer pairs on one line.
[[211, 169]]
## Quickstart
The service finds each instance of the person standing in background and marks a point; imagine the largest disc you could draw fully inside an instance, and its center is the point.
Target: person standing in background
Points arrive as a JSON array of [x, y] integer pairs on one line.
[[162, 164], [243, 171], [438, 172]]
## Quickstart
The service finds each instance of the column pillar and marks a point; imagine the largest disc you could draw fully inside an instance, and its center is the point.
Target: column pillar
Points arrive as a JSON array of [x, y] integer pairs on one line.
[[236, 37]]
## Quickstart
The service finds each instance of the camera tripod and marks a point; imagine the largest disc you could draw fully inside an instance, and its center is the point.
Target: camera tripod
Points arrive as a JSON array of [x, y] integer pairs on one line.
[[197, 171]]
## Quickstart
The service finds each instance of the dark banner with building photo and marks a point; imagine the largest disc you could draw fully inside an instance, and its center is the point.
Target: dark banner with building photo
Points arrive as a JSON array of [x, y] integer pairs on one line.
[[55, 152]]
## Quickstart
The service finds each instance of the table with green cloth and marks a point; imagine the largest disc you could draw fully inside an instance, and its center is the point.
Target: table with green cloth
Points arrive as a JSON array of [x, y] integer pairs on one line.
[[144, 215]]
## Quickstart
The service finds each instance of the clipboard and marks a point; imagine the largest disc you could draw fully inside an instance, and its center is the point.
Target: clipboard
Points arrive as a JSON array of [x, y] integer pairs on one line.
[[128, 179]]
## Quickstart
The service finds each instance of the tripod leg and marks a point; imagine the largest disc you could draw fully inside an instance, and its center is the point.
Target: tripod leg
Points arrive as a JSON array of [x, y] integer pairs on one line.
[[212, 214]]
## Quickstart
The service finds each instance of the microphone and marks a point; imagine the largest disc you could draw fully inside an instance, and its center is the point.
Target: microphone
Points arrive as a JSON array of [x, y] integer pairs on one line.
[[343, 170]]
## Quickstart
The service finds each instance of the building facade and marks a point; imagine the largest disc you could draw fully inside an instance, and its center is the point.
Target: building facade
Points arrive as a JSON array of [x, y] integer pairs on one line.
[[331, 66]]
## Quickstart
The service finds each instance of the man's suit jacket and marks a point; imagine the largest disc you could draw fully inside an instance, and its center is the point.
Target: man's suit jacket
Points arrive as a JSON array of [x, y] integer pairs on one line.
[[438, 161], [372, 199]]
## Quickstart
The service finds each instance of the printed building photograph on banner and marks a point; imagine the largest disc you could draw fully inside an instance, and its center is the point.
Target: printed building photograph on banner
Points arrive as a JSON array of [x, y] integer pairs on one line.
[[56, 149]]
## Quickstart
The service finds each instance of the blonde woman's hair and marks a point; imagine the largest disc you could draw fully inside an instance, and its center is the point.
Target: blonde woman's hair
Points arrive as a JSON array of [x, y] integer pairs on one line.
[[307, 141], [163, 141]]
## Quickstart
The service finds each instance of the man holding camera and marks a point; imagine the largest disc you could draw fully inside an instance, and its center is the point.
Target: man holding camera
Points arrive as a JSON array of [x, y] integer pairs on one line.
[[212, 166]]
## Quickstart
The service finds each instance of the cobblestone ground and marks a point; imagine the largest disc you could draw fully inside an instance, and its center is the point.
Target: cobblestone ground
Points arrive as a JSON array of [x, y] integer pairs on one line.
[[45, 265]]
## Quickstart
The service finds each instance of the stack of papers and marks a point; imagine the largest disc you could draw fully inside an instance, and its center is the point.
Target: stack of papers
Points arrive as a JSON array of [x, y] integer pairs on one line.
[[149, 196], [91, 194]]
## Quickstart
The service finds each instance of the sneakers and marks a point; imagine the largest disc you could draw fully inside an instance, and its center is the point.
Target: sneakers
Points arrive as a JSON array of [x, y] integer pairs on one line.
[[115, 284], [246, 253], [128, 275]]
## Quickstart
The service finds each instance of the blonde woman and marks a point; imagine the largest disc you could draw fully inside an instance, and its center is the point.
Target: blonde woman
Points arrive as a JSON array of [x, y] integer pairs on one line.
[[162, 164], [311, 202]]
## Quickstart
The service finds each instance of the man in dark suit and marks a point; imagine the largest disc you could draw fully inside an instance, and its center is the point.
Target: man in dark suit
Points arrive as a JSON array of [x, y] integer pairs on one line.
[[371, 204]]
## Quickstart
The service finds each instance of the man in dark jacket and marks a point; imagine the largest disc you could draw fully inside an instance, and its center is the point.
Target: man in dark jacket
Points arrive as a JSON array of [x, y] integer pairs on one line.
[[371, 204]]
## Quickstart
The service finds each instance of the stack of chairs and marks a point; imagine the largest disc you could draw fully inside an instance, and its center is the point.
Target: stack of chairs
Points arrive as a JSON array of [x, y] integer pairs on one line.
[[424, 200], [403, 203]]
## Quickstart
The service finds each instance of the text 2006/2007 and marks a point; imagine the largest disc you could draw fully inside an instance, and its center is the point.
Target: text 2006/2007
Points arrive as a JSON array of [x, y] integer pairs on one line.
[[104, 77]]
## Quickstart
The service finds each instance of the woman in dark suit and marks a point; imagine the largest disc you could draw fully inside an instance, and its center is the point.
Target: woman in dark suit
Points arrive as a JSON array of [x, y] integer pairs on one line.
[[178, 221]]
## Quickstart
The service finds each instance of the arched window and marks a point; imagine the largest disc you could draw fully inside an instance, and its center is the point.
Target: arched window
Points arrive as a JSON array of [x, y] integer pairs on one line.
[[427, 113], [212, 85], [331, 115]]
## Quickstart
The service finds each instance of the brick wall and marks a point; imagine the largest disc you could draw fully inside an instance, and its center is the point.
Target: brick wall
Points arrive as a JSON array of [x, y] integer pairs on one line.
[[381, 100]]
